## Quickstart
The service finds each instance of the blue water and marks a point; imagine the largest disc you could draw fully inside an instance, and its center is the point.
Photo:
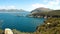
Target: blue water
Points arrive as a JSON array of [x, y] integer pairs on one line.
[[25, 24]]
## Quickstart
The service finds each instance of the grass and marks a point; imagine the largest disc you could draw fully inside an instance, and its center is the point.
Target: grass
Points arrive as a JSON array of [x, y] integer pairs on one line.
[[52, 28]]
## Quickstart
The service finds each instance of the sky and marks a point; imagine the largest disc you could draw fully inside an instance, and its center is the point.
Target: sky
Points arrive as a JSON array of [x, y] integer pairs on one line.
[[29, 5]]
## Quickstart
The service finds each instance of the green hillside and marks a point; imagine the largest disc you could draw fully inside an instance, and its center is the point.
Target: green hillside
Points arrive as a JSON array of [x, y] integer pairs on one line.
[[52, 28]]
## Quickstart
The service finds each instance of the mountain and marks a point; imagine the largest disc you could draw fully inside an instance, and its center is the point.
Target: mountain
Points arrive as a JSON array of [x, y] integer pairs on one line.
[[45, 12], [12, 10], [16, 12], [41, 10]]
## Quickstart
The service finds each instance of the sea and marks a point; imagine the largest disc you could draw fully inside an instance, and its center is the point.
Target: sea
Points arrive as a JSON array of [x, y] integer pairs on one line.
[[21, 23]]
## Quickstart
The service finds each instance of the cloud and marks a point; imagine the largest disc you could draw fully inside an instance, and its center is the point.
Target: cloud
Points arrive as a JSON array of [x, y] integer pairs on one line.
[[38, 5], [51, 0], [8, 7], [56, 2], [53, 4], [45, 0]]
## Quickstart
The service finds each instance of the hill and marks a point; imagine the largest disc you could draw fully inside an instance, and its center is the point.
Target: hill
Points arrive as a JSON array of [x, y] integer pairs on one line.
[[45, 12], [41, 10]]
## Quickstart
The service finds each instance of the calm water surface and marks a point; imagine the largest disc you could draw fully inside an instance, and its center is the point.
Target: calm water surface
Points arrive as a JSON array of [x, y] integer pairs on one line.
[[26, 24]]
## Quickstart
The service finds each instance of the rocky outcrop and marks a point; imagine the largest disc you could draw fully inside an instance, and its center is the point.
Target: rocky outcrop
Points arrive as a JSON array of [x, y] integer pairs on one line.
[[8, 31]]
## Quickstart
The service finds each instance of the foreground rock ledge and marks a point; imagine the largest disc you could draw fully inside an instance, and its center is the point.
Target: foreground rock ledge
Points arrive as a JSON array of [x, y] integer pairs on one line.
[[8, 31]]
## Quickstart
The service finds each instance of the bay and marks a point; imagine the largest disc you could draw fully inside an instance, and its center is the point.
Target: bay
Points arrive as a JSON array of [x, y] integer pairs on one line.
[[21, 23]]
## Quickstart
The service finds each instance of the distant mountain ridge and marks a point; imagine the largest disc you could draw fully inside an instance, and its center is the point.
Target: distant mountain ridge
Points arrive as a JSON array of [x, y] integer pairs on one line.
[[12, 10]]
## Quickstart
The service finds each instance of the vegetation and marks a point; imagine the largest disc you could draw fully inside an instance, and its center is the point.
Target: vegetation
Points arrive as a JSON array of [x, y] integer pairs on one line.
[[52, 28], [54, 12], [1, 31]]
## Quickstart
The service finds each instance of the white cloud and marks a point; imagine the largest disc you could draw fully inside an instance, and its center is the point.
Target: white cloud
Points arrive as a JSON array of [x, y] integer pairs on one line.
[[45, 0], [7, 7], [54, 2], [51, 4], [37, 5]]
